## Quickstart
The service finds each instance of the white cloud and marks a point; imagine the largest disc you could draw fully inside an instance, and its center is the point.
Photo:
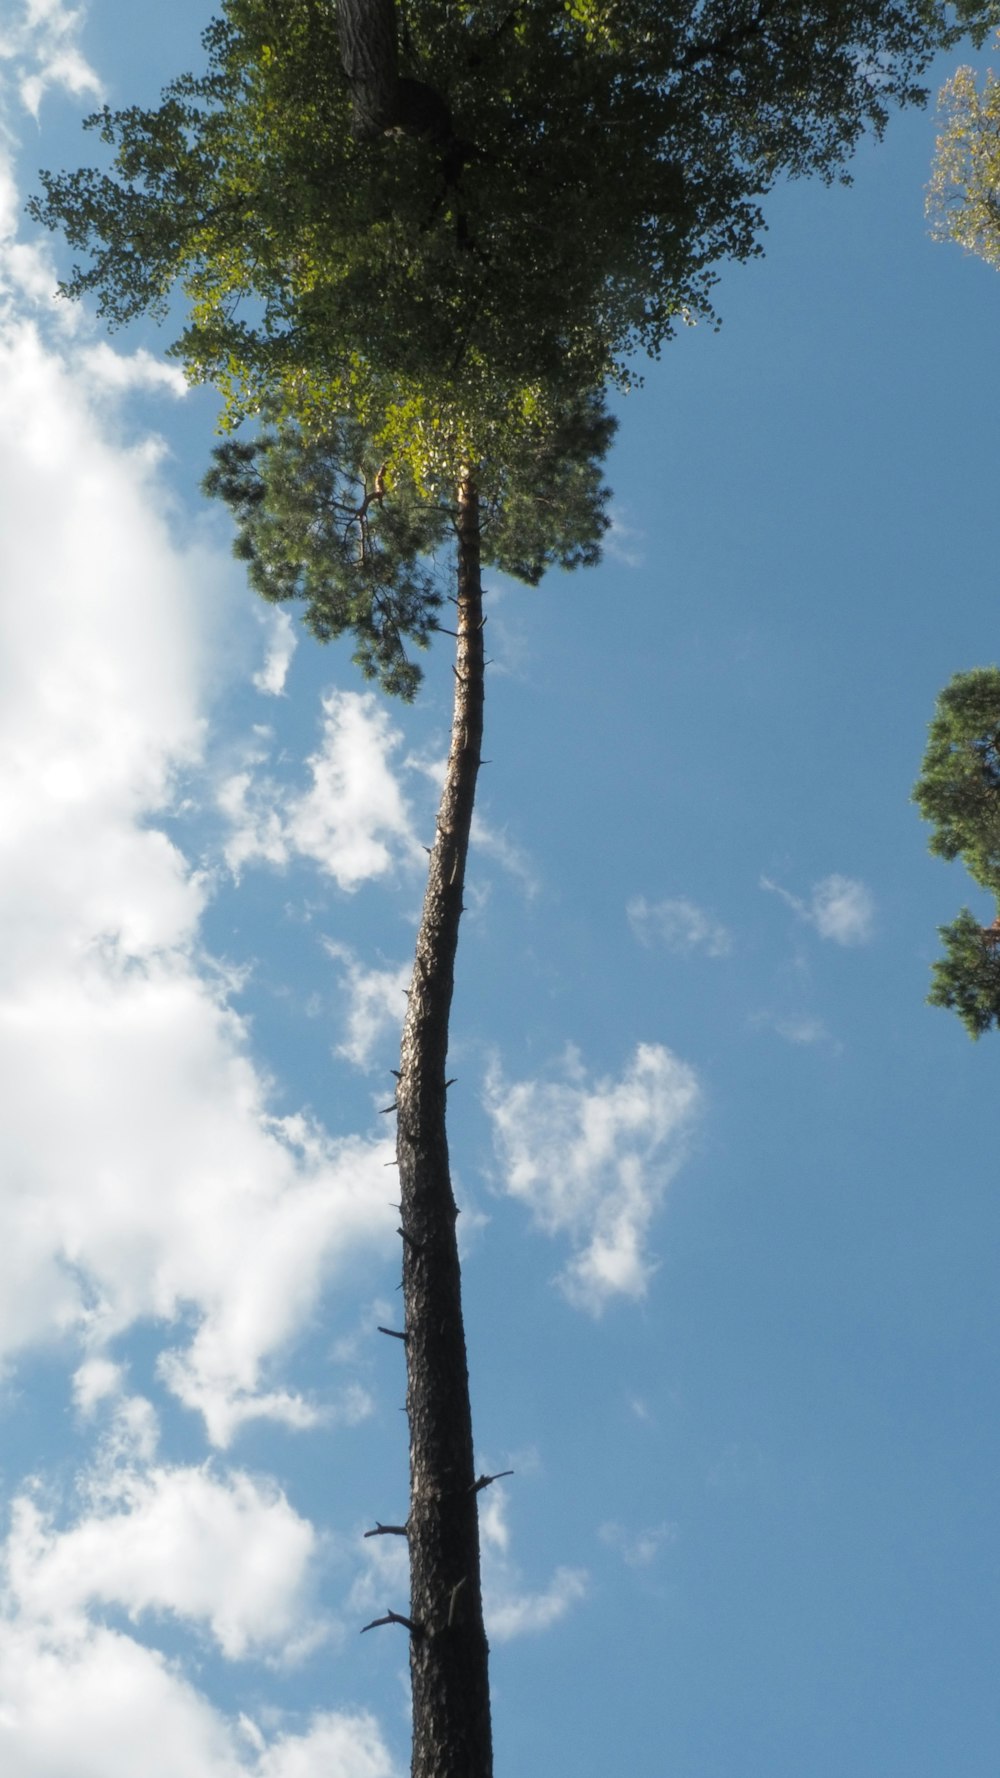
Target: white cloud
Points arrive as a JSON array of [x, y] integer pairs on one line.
[[282, 643], [839, 908], [41, 49], [94, 1381], [510, 1607], [27, 272], [383, 1578], [375, 1005], [679, 925], [145, 1176], [131, 1425], [843, 910], [528, 1614], [343, 1746], [95, 1703], [91, 1701], [228, 1552], [144, 1173], [353, 821], [594, 1162], [118, 373]]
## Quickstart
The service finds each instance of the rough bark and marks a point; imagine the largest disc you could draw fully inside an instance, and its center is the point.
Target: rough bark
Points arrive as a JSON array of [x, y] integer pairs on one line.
[[448, 1648], [368, 52]]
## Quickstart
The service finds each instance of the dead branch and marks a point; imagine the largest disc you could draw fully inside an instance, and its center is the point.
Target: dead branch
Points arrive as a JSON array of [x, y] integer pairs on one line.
[[392, 1617], [484, 1481]]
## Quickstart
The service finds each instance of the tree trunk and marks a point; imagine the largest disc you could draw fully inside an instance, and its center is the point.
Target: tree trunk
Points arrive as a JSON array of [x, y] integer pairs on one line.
[[366, 30], [381, 99], [448, 1648]]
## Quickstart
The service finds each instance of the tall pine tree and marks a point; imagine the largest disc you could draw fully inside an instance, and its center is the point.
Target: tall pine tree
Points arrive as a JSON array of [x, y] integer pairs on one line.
[[414, 247]]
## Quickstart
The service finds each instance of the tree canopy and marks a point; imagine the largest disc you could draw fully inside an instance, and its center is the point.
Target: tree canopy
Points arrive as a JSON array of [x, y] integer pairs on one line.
[[958, 791], [603, 158], [963, 199], [319, 519]]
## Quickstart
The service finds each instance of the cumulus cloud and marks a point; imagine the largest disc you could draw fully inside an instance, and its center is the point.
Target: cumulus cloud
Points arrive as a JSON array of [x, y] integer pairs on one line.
[[679, 925], [227, 1552], [349, 1745], [593, 1162], [353, 821], [839, 908], [145, 1175], [375, 1004], [82, 1698]]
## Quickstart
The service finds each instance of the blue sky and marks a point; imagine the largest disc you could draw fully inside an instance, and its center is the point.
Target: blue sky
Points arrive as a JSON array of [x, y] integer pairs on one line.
[[731, 1230]]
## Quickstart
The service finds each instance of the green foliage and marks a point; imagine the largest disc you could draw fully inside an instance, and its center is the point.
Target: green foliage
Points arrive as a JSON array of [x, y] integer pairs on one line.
[[962, 200], [607, 156], [959, 792], [321, 520], [967, 978], [959, 785], [548, 508]]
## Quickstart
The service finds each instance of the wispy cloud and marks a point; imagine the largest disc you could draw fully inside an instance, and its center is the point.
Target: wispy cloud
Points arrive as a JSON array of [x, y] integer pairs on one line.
[[375, 1004], [42, 49], [495, 843], [838, 908], [803, 1029], [512, 1609], [592, 1162], [679, 925], [491, 842], [638, 1549], [623, 541]]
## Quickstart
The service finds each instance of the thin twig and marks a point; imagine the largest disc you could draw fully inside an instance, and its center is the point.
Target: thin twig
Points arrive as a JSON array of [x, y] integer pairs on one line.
[[484, 1481]]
